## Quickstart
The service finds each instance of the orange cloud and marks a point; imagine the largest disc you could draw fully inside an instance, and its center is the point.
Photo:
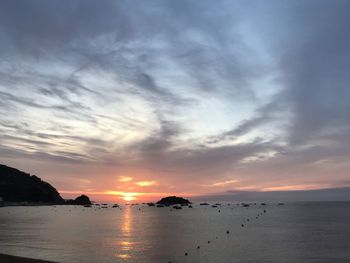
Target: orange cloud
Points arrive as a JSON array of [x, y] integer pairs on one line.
[[145, 183], [125, 178], [221, 184]]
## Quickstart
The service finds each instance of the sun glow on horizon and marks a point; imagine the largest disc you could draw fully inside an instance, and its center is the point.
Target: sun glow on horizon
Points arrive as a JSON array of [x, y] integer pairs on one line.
[[126, 196], [112, 195]]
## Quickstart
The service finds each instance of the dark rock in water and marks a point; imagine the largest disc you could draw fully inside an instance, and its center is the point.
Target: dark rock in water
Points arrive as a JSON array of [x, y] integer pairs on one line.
[[177, 207], [203, 204], [17, 186], [173, 200], [280, 203], [150, 204], [80, 200], [115, 206]]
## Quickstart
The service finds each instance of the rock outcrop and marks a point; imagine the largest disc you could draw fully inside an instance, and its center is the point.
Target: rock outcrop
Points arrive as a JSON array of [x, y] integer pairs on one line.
[[18, 186], [80, 200], [173, 200]]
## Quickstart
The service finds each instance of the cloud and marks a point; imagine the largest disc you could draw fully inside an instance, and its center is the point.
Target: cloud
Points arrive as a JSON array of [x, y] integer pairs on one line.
[[145, 183], [197, 90], [315, 70], [125, 178], [328, 194]]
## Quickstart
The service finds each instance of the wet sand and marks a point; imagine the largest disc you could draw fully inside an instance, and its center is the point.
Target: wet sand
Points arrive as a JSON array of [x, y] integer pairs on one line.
[[14, 259]]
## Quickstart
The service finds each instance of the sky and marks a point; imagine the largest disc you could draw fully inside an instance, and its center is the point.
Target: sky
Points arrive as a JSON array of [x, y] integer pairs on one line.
[[134, 100]]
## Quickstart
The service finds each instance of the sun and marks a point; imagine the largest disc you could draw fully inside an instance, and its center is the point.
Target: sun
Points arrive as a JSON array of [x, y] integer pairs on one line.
[[126, 196], [129, 197]]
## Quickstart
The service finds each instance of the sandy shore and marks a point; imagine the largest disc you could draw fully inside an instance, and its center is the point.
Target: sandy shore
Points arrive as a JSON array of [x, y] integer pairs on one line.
[[13, 259]]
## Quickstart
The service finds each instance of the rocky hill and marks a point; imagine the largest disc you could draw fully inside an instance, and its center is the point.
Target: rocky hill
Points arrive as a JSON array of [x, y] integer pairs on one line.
[[17, 186]]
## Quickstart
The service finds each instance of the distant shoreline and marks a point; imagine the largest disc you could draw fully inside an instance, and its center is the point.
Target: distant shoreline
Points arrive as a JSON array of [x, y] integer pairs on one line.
[[14, 259]]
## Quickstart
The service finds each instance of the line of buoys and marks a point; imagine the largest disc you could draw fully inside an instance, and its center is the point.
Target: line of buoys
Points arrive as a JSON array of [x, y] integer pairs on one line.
[[228, 231]]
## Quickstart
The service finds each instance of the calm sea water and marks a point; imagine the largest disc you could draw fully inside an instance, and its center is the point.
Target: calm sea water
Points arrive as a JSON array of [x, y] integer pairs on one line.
[[299, 232]]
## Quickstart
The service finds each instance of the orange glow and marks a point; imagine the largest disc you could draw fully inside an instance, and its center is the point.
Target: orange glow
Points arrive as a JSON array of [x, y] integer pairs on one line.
[[129, 197], [125, 179], [126, 196], [145, 183], [222, 184], [111, 195], [294, 187]]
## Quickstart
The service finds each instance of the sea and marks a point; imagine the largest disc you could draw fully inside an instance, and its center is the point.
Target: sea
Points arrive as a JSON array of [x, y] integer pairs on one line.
[[292, 232]]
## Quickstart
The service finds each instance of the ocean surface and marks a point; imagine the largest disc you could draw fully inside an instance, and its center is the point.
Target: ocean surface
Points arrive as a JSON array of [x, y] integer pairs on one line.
[[294, 232]]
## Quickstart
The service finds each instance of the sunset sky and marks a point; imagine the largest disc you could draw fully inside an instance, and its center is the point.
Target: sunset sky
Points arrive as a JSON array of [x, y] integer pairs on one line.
[[133, 100]]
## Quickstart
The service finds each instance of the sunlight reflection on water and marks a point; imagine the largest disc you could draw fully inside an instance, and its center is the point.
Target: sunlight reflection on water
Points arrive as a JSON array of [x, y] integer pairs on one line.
[[126, 246]]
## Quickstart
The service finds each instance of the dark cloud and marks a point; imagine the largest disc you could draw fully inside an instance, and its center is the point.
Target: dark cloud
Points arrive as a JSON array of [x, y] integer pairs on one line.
[[31, 154], [330, 194], [34, 26], [316, 69]]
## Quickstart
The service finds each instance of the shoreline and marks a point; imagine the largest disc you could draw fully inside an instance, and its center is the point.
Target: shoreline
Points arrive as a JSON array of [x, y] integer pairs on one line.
[[15, 259]]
